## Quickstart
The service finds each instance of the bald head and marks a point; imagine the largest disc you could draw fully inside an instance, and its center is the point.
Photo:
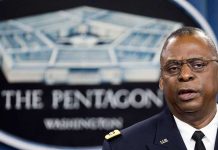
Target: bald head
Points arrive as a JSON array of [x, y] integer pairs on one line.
[[190, 31]]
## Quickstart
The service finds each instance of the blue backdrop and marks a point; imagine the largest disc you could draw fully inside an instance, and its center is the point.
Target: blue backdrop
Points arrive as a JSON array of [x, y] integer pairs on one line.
[[208, 8]]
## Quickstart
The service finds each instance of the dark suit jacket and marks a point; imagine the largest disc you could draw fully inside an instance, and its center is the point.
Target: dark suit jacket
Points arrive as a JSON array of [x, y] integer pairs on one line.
[[156, 133]]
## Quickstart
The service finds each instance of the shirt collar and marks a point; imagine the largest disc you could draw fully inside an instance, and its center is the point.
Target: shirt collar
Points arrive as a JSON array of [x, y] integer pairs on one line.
[[209, 130], [184, 128]]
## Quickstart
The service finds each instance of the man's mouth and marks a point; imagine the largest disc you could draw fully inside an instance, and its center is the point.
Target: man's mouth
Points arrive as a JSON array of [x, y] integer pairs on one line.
[[187, 94]]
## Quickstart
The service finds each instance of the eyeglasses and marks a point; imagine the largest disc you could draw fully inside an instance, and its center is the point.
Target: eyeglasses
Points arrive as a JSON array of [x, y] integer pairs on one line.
[[173, 67]]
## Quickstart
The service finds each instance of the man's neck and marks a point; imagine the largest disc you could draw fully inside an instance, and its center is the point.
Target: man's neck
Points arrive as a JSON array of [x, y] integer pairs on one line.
[[198, 120]]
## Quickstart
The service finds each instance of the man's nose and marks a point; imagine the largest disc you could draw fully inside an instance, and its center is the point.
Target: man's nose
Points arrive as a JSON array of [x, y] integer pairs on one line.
[[185, 74]]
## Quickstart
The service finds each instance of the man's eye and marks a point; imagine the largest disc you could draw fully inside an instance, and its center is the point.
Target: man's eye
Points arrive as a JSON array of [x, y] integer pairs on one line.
[[173, 68], [197, 64]]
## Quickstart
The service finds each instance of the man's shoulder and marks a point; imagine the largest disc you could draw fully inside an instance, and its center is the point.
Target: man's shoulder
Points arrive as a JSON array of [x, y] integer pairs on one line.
[[141, 134], [143, 128], [137, 134]]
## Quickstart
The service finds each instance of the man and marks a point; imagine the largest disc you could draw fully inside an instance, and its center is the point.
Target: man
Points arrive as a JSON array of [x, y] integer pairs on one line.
[[189, 80]]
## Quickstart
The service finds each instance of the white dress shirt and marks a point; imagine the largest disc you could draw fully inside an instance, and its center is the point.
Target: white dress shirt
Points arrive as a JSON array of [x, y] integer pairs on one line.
[[209, 131]]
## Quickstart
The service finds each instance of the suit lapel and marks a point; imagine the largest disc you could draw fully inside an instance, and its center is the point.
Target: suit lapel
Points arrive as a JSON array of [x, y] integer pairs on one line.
[[167, 134], [216, 142]]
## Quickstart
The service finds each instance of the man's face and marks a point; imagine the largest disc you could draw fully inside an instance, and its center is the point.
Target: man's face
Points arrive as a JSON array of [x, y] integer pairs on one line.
[[190, 90]]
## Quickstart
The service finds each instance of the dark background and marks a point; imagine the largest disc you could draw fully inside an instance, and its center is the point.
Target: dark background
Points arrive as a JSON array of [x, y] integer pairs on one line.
[[165, 9], [24, 123]]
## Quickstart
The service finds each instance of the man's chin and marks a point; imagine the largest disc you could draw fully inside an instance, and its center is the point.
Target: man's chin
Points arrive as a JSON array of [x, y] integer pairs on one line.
[[189, 108]]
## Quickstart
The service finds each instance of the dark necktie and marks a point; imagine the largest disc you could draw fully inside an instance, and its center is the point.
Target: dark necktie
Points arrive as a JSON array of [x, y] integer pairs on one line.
[[197, 136]]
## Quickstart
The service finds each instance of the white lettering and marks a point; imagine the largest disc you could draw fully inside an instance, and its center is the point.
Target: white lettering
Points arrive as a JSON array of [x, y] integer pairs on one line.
[[98, 123], [17, 99]]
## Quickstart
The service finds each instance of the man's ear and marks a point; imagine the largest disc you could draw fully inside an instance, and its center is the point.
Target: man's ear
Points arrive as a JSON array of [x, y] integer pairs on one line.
[[161, 83]]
